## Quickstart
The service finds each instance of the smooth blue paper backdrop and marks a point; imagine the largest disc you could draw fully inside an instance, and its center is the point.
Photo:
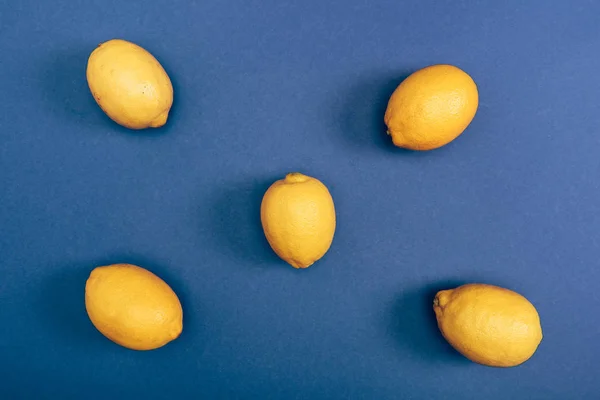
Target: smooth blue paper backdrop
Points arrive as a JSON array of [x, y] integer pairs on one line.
[[267, 87]]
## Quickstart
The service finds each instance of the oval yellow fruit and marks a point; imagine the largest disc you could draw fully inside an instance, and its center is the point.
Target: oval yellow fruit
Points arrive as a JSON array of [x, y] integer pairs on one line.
[[133, 307], [431, 107], [129, 84], [298, 218], [488, 324]]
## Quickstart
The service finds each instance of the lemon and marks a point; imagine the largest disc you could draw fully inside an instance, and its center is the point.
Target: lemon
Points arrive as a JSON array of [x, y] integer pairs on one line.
[[488, 324], [298, 218], [133, 307], [431, 107], [129, 84]]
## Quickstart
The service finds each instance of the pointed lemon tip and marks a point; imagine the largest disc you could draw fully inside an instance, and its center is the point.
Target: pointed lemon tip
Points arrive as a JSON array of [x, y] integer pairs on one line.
[[295, 177], [175, 331], [397, 139], [442, 298], [160, 120]]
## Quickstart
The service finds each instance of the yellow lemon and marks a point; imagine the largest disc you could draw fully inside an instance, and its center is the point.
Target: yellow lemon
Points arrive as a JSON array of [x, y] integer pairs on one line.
[[431, 107], [298, 218], [129, 84], [488, 324], [133, 307]]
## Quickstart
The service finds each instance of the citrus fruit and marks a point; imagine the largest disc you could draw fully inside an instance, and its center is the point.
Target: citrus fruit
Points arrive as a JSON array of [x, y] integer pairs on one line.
[[129, 84], [298, 218], [431, 107], [488, 324], [133, 307]]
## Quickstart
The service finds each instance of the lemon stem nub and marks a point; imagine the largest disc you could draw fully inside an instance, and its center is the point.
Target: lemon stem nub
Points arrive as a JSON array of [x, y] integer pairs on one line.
[[295, 177]]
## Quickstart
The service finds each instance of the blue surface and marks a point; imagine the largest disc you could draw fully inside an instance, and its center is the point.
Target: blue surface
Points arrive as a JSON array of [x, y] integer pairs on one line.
[[268, 87]]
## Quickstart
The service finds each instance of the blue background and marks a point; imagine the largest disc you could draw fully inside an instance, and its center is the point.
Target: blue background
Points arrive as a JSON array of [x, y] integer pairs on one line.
[[267, 87]]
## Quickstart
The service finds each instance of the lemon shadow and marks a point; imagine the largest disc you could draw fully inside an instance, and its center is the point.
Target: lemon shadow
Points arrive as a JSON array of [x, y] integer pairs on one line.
[[64, 85], [413, 325], [65, 92], [61, 301], [360, 112], [235, 225], [61, 305]]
